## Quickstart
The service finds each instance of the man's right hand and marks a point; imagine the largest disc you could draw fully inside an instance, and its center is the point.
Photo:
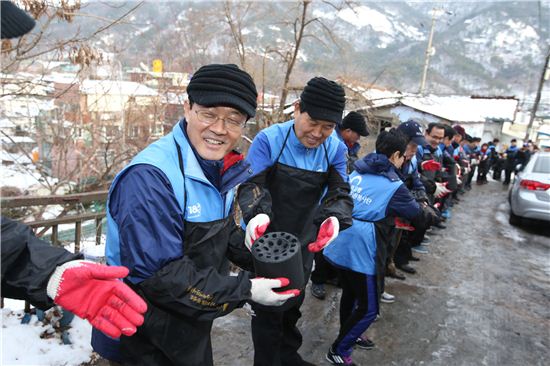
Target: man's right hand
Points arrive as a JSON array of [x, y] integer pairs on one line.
[[256, 227], [262, 291], [430, 165], [441, 190]]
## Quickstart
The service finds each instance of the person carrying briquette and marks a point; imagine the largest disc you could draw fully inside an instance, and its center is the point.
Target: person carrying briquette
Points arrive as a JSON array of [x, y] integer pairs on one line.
[[349, 132], [170, 221], [300, 187], [379, 195]]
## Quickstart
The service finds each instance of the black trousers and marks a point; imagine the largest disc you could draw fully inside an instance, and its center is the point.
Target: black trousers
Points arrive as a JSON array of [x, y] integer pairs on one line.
[[276, 338], [470, 176], [323, 270], [507, 175], [409, 239]]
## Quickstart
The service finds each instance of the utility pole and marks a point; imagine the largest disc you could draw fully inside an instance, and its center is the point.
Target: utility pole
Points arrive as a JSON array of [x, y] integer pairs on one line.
[[428, 52], [537, 98]]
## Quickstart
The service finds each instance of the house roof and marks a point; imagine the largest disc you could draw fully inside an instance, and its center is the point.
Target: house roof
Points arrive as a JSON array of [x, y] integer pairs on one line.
[[464, 109]]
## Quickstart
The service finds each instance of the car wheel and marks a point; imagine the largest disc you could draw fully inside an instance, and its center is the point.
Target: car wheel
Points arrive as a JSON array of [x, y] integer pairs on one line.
[[514, 219]]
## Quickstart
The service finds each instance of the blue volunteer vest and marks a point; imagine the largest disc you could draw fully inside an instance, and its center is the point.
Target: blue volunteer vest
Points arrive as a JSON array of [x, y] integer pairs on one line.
[[204, 201], [355, 248]]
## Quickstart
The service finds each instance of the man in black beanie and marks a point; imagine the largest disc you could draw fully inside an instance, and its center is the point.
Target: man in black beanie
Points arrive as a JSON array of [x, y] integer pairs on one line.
[[299, 187], [353, 127], [170, 222]]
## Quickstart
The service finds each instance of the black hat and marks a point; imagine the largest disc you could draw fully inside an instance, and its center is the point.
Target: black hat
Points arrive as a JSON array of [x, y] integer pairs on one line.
[[355, 122], [460, 130], [413, 131], [223, 84], [15, 22], [324, 100]]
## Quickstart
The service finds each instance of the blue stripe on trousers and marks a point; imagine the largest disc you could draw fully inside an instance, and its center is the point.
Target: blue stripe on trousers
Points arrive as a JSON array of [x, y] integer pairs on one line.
[[345, 347]]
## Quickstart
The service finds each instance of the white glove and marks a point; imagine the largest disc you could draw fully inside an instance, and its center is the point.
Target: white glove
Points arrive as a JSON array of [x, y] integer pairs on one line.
[[262, 291], [256, 227], [441, 190], [474, 162], [458, 181]]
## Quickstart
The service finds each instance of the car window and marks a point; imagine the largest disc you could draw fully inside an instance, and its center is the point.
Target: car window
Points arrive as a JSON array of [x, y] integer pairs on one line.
[[542, 165]]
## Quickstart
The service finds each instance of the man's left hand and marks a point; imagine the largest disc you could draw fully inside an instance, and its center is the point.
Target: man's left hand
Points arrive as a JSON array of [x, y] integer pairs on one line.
[[328, 231]]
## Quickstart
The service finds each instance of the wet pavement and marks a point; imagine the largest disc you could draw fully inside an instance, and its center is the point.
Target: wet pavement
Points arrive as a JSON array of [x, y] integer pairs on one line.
[[480, 297]]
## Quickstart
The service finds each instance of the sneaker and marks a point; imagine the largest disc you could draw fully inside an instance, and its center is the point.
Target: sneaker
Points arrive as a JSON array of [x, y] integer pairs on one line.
[[387, 298], [420, 249], [446, 214], [318, 290], [364, 343], [336, 359], [426, 241]]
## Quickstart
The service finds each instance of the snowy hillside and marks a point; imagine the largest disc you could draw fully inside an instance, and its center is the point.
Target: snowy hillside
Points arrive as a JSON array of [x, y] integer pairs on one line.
[[486, 47]]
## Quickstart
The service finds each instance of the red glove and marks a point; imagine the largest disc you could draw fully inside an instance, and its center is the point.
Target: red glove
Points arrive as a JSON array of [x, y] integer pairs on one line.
[[256, 227], [328, 231], [430, 165], [403, 225], [93, 292]]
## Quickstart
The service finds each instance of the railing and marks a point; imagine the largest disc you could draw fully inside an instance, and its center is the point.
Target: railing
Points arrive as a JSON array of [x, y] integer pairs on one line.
[[71, 199], [71, 202]]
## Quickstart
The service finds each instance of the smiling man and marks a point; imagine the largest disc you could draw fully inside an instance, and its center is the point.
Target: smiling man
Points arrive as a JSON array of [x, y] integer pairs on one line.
[[300, 187], [170, 221]]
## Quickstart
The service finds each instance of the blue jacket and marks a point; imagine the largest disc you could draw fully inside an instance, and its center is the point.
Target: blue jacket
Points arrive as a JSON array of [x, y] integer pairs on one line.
[[377, 192], [268, 143], [149, 208], [352, 151], [410, 169]]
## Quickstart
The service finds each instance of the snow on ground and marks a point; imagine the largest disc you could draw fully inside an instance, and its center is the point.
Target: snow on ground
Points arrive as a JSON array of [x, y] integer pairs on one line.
[[507, 230], [22, 345]]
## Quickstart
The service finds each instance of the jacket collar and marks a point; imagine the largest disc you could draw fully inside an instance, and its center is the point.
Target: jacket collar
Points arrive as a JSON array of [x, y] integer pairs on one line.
[[377, 164]]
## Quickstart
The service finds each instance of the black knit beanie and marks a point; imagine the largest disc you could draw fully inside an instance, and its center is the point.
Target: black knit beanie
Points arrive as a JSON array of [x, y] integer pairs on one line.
[[223, 85], [15, 22], [324, 100], [355, 122]]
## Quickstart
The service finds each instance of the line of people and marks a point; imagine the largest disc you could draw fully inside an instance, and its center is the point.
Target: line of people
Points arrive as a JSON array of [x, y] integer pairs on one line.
[[170, 219]]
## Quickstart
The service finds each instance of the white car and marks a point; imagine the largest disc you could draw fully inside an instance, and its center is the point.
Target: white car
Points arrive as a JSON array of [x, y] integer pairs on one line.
[[529, 196]]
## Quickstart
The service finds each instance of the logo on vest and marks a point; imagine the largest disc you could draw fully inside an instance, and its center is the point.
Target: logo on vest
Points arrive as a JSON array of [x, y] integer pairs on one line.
[[194, 211], [356, 191]]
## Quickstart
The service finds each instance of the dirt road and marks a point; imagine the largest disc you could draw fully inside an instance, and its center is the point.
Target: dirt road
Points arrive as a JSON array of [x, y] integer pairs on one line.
[[480, 297]]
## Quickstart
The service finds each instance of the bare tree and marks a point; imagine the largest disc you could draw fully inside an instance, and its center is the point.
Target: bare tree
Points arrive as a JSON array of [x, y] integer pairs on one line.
[[300, 28], [235, 16]]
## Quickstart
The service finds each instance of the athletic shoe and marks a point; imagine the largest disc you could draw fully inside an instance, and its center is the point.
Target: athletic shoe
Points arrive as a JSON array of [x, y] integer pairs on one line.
[[364, 343], [318, 290], [420, 249], [336, 359], [426, 241], [387, 298]]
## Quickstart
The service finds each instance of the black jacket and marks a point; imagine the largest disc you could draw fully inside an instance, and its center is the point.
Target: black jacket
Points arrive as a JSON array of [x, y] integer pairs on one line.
[[28, 263]]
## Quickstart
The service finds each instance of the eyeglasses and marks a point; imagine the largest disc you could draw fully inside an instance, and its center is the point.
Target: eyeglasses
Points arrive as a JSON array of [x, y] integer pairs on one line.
[[233, 122]]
